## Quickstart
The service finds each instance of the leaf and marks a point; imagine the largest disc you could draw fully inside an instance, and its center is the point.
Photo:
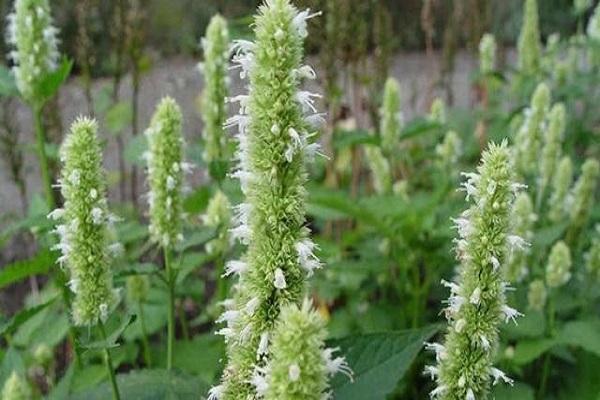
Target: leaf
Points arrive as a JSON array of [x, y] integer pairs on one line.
[[419, 127], [111, 340], [136, 269], [134, 150], [19, 270], [343, 138], [52, 81], [8, 86], [61, 391], [519, 391], [155, 384], [200, 356], [528, 350], [197, 201], [21, 317], [584, 334], [118, 117], [198, 237], [378, 361]]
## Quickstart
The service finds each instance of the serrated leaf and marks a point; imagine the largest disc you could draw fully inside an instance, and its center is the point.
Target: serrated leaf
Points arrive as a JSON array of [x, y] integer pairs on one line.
[[21, 317], [19, 270], [150, 385], [52, 81], [197, 201], [111, 340], [378, 361], [584, 334]]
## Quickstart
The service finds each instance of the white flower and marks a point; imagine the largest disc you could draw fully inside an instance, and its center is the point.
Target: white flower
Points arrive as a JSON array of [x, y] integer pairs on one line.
[[97, 215], [56, 214], [215, 392], [252, 305], [294, 372], [300, 19], [279, 281], [337, 364], [475, 296], [510, 313], [499, 375], [438, 349], [306, 100], [432, 371], [263, 345], [234, 267], [470, 394]]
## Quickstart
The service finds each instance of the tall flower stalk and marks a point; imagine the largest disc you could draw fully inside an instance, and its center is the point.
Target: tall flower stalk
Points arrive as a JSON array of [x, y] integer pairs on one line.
[[165, 178], [529, 45], [551, 150], [560, 188], [477, 303], [275, 130], [214, 68], [581, 198], [391, 116], [85, 231], [35, 56]]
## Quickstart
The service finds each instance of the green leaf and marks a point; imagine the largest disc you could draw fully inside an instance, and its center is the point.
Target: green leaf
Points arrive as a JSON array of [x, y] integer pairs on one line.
[[61, 391], [134, 150], [8, 86], [199, 356], [52, 81], [21, 317], [197, 201], [584, 334], [19, 270], [343, 138], [150, 385], [111, 340], [419, 127], [519, 391], [528, 350], [379, 361], [136, 269], [118, 117]]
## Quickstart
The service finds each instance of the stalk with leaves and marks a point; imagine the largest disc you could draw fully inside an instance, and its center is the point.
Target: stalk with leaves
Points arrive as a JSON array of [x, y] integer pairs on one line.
[[275, 130], [477, 304], [165, 177]]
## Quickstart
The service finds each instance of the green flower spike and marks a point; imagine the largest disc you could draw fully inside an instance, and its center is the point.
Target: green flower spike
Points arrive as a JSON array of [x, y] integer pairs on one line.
[[391, 116], [214, 68], [529, 45], [218, 216], [165, 173], [35, 53], [85, 231], [552, 146], [138, 287], [380, 169], [581, 198], [437, 112], [449, 152], [522, 221], [560, 188], [592, 257], [300, 365], [558, 269], [487, 54], [16, 388], [537, 295], [528, 141], [276, 124], [477, 304], [593, 32]]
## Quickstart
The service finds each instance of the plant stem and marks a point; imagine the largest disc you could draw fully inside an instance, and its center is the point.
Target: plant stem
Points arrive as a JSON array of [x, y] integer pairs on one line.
[[43, 159], [109, 365], [171, 309], [221, 283], [145, 344], [546, 366]]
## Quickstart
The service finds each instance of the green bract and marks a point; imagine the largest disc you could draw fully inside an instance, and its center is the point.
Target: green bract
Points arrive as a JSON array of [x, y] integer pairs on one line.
[[529, 46], [214, 68], [522, 220], [552, 145], [380, 170], [477, 304], [300, 366], [487, 54], [218, 216], [165, 173], [391, 116], [276, 123], [85, 229], [16, 388], [31, 33], [528, 141], [560, 188], [558, 269]]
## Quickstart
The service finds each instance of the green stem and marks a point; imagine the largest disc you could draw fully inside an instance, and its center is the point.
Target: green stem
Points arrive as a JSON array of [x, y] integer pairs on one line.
[[171, 309], [43, 159], [221, 282], [109, 365], [145, 344], [547, 358]]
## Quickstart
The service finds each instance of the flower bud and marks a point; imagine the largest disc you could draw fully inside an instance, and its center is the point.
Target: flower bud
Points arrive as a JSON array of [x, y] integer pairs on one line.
[[552, 145], [437, 112], [449, 152], [529, 46], [581, 198], [561, 183], [138, 287], [522, 220], [391, 116], [218, 216], [536, 296], [380, 170], [487, 54]]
